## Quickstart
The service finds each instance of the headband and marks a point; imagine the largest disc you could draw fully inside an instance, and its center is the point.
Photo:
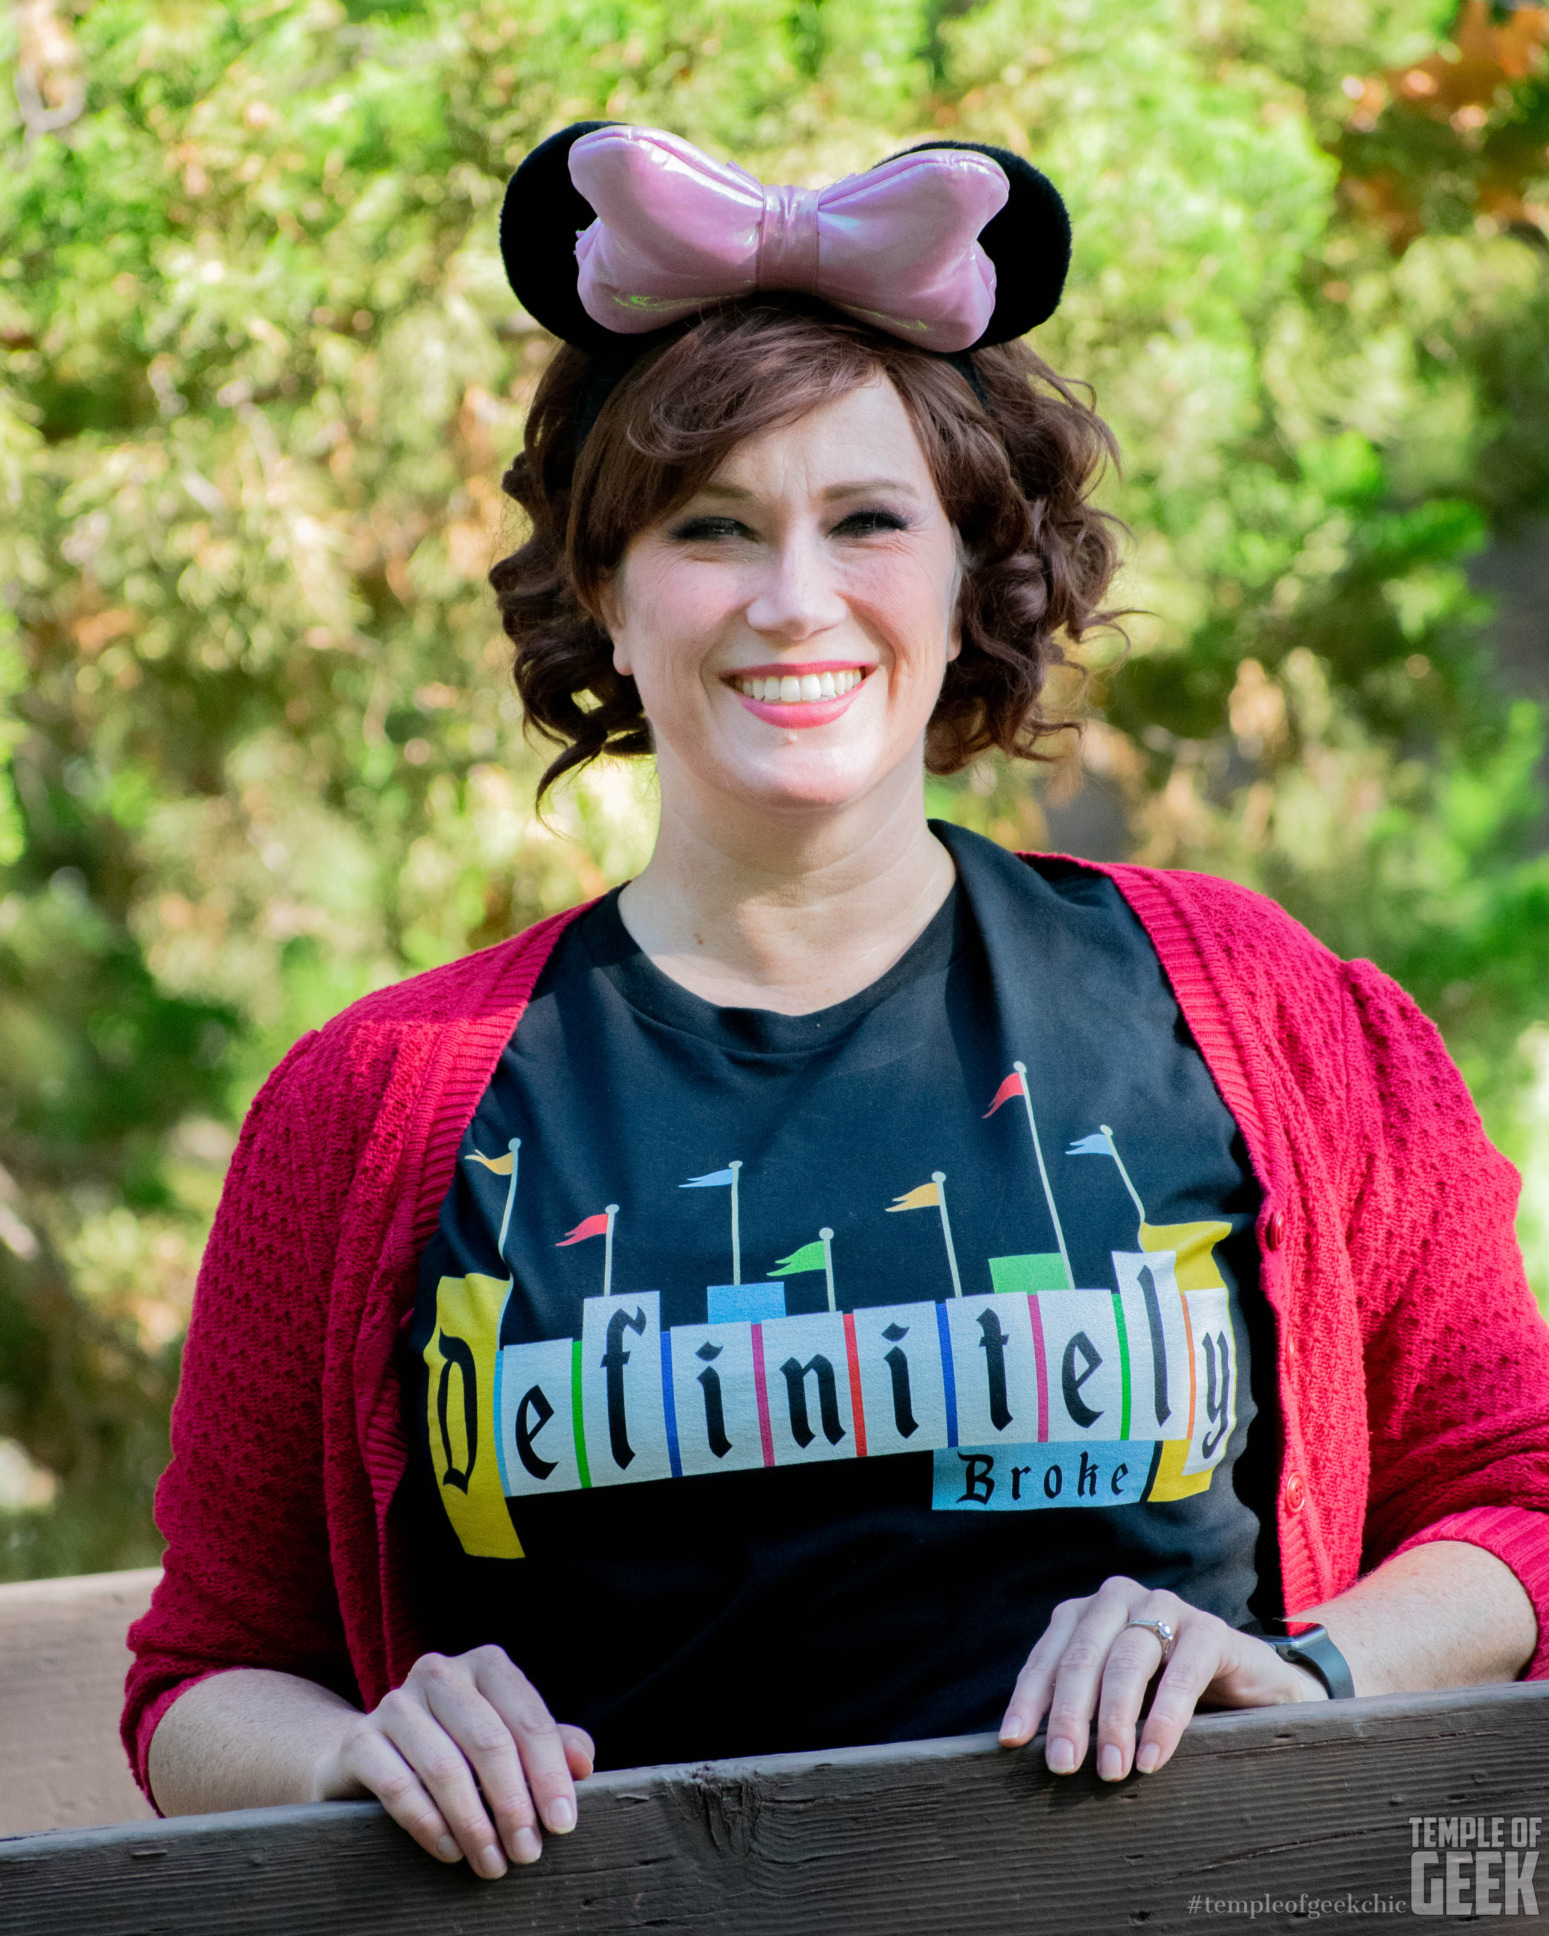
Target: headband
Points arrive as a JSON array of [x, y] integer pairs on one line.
[[613, 236]]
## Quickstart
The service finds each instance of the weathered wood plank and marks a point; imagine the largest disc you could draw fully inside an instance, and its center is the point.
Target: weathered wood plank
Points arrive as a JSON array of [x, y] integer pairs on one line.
[[939, 1837], [62, 1667]]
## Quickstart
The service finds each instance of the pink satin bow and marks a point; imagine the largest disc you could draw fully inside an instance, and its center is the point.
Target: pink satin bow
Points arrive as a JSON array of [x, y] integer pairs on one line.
[[676, 231]]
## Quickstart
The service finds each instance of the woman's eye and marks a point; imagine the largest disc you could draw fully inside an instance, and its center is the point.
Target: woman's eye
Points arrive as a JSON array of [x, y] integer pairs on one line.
[[862, 524], [699, 530]]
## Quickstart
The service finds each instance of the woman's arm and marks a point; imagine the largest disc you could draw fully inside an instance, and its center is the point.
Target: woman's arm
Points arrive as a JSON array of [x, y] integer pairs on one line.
[[1455, 1351], [245, 1739], [247, 1579], [462, 1741], [1440, 1615]]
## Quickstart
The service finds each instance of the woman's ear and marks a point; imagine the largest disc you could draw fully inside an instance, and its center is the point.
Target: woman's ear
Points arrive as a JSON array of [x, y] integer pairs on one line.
[[965, 564], [608, 610]]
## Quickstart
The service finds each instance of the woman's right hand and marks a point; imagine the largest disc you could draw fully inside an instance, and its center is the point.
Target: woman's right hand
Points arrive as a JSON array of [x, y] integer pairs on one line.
[[463, 1740]]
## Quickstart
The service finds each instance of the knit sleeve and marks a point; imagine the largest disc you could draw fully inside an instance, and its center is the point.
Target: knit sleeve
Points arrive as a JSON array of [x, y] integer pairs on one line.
[[1456, 1353], [247, 1580]]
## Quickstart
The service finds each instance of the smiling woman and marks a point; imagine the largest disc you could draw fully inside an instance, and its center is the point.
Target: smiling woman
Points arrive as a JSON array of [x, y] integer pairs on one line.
[[1217, 1272], [1035, 554]]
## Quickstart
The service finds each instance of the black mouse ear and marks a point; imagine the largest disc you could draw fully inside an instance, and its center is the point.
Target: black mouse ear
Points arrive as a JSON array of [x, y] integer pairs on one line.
[[541, 217], [1028, 241]]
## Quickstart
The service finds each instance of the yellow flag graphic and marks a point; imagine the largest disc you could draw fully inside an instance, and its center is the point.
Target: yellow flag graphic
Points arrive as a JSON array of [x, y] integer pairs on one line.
[[501, 1165], [1195, 1244], [926, 1197]]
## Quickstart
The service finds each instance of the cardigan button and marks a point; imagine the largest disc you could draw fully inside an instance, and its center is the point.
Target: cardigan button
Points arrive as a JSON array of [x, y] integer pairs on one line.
[[1274, 1230], [1295, 1492]]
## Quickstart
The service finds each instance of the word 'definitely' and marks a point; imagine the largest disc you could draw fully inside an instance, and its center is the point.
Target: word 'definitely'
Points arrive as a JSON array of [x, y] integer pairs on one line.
[[1027, 1399]]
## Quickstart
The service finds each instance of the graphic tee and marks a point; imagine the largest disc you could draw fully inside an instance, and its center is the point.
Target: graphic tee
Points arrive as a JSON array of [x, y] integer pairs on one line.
[[772, 1378]]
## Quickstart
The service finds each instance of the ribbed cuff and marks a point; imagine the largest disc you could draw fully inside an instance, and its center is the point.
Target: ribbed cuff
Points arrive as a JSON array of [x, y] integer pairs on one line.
[[1519, 1539]]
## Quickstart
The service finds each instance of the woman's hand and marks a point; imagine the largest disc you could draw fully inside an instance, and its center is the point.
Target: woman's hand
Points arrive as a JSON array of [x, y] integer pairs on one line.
[[1091, 1661], [464, 1740]]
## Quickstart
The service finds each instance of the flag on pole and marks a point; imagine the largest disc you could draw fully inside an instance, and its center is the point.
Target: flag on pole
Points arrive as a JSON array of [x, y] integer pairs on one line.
[[932, 1196], [1016, 1085], [724, 1180], [1102, 1144], [501, 1165], [1012, 1086], [808, 1258], [588, 1227], [812, 1257], [599, 1226]]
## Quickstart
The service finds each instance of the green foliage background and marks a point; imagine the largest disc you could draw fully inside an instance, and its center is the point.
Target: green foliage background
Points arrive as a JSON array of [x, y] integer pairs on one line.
[[261, 374]]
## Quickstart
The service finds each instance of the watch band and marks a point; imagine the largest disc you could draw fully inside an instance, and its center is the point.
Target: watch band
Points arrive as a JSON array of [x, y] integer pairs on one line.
[[1313, 1650]]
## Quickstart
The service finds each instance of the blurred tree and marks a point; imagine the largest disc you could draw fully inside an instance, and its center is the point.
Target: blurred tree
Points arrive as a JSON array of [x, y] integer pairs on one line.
[[261, 375]]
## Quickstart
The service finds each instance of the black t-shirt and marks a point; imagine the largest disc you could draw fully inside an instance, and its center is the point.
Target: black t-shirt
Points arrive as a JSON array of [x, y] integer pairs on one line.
[[772, 1377]]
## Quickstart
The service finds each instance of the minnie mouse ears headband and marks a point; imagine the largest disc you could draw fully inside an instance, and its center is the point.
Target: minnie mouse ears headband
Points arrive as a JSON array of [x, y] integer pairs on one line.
[[611, 234]]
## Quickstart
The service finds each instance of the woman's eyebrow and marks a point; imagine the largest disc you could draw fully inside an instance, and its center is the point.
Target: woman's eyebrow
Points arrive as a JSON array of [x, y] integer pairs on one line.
[[864, 488], [869, 485]]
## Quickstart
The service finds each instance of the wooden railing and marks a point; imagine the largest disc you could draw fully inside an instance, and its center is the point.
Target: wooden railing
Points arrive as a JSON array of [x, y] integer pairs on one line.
[[1282, 1819], [62, 1667]]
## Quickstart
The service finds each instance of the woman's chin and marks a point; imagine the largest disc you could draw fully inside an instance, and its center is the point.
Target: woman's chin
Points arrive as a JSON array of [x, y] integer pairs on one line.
[[812, 779], [784, 768]]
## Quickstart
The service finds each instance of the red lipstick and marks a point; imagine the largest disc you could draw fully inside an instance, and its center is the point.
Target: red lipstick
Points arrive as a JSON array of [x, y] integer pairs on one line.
[[799, 712]]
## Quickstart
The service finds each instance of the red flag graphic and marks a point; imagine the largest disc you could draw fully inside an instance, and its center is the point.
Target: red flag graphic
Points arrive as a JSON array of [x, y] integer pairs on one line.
[[589, 1227], [1012, 1086]]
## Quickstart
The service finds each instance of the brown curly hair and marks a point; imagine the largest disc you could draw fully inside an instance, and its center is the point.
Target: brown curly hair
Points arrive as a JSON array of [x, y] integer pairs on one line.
[[1014, 469]]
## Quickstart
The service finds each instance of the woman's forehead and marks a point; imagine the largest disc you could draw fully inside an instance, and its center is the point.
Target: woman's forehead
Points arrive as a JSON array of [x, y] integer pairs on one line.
[[861, 439]]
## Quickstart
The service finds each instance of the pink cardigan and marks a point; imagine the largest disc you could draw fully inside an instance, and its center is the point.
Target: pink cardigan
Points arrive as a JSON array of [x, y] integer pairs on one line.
[[1413, 1365]]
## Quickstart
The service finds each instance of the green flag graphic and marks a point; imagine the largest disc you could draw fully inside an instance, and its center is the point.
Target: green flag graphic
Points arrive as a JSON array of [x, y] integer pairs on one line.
[[809, 1257]]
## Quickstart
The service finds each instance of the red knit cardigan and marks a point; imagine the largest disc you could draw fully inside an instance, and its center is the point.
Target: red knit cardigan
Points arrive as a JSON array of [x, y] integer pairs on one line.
[[1413, 1365]]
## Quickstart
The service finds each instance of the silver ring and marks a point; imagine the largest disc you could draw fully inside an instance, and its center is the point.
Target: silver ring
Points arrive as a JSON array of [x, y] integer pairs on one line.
[[1166, 1638]]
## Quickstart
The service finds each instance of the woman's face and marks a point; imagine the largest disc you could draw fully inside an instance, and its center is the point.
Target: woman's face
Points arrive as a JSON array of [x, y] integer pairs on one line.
[[789, 627]]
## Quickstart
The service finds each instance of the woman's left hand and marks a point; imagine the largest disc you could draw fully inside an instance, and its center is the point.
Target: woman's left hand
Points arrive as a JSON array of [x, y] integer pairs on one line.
[[1090, 1661]]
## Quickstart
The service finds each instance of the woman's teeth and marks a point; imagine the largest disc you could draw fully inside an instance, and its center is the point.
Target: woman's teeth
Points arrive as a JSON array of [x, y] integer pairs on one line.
[[791, 691]]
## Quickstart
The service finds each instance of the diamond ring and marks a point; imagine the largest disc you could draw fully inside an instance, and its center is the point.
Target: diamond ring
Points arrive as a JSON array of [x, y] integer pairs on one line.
[[1166, 1637]]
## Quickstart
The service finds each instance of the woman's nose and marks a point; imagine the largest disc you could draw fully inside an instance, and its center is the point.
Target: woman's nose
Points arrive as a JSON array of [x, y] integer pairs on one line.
[[798, 595]]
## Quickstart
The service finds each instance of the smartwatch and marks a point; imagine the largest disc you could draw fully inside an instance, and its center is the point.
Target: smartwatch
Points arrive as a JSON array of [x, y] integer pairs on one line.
[[1306, 1644]]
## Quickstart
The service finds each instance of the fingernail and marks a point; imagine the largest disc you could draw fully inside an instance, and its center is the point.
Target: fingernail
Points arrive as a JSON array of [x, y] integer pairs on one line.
[[525, 1845], [1110, 1763], [491, 1862], [562, 1815], [448, 1850], [1061, 1755], [1150, 1754], [1012, 1730]]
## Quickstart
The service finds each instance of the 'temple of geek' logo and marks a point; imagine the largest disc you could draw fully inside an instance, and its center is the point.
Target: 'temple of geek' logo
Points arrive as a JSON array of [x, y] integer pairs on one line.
[[1473, 1865]]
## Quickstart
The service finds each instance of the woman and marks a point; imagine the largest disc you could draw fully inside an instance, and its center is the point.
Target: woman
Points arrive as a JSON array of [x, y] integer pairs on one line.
[[647, 1339]]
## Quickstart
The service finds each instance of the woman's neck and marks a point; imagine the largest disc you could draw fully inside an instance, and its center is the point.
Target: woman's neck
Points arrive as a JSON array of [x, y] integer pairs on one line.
[[793, 912]]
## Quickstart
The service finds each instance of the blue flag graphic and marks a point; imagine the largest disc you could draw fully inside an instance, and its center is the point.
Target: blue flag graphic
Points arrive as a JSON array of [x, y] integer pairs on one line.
[[721, 1178]]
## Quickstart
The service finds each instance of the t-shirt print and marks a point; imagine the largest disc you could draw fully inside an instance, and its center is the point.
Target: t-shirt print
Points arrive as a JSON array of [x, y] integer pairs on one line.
[[1029, 1389]]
